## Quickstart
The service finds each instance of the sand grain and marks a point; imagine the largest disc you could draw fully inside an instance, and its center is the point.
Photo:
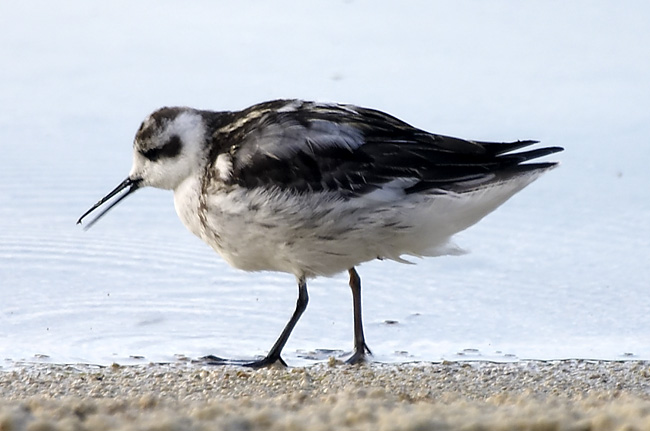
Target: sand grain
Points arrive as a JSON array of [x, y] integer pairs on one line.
[[560, 395]]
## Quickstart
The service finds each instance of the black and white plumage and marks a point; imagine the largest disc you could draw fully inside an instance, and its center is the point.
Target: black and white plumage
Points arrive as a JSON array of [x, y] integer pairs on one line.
[[316, 189]]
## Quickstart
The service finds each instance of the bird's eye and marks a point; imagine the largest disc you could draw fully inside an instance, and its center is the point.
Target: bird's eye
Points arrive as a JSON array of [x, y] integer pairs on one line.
[[170, 149]]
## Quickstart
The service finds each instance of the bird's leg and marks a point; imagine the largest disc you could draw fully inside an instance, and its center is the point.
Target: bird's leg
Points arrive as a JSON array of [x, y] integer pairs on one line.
[[274, 354], [360, 347]]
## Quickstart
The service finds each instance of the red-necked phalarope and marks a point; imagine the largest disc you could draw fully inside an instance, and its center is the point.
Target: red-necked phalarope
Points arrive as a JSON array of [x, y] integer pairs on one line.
[[316, 189]]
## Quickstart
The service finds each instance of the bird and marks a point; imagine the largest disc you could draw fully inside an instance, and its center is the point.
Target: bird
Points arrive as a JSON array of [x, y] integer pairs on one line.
[[315, 189]]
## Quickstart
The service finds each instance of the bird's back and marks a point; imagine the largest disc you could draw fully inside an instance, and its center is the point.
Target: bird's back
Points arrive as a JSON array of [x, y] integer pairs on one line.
[[308, 146]]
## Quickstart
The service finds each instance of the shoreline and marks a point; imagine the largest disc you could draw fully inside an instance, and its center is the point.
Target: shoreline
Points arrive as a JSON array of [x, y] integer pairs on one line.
[[543, 395]]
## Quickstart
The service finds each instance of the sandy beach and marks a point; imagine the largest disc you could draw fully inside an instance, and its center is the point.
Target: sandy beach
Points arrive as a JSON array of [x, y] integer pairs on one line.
[[525, 395]]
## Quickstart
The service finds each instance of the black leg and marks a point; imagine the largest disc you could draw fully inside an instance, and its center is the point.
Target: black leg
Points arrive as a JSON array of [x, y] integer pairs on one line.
[[274, 354], [360, 347]]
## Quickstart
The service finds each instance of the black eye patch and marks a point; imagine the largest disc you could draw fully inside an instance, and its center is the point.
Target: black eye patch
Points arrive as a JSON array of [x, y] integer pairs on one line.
[[171, 148]]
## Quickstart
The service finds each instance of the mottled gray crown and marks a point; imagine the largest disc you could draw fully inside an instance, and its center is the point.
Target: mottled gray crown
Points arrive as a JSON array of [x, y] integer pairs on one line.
[[150, 139]]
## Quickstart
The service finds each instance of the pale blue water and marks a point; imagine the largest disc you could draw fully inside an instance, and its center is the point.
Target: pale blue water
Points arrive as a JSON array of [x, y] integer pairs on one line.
[[560, 271]]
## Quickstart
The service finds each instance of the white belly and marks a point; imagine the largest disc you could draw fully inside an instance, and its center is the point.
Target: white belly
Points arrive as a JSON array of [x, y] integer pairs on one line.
[[321, 234]]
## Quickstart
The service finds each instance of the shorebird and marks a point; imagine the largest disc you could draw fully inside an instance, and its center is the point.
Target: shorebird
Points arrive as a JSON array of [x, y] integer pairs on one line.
[[315, 189]]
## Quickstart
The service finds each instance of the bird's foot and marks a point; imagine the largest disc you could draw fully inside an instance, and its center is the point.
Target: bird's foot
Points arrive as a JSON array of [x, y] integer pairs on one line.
[[360, 355], [268, 361], [265, 362]]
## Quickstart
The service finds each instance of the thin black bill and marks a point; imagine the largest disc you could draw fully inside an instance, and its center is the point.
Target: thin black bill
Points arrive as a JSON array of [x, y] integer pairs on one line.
[[129, 183]]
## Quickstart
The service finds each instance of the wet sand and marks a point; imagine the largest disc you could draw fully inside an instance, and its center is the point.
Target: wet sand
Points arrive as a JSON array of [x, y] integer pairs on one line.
[[526, 395]]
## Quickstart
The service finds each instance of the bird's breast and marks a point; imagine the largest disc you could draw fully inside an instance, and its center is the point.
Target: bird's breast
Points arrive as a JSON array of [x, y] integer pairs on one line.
[[187, 202]]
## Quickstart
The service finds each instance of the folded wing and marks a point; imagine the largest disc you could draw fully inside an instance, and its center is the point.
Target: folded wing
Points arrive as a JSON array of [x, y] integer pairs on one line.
[[305, 147]]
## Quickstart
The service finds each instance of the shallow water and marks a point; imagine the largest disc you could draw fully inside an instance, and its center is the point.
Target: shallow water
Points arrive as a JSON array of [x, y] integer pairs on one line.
[[560, 271]]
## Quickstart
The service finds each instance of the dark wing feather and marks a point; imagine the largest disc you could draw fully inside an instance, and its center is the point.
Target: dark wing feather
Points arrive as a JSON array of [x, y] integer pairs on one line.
[[352, 150]]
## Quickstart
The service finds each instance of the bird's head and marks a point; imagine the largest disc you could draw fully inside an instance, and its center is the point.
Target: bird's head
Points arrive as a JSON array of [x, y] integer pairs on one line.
[[168, 148]]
